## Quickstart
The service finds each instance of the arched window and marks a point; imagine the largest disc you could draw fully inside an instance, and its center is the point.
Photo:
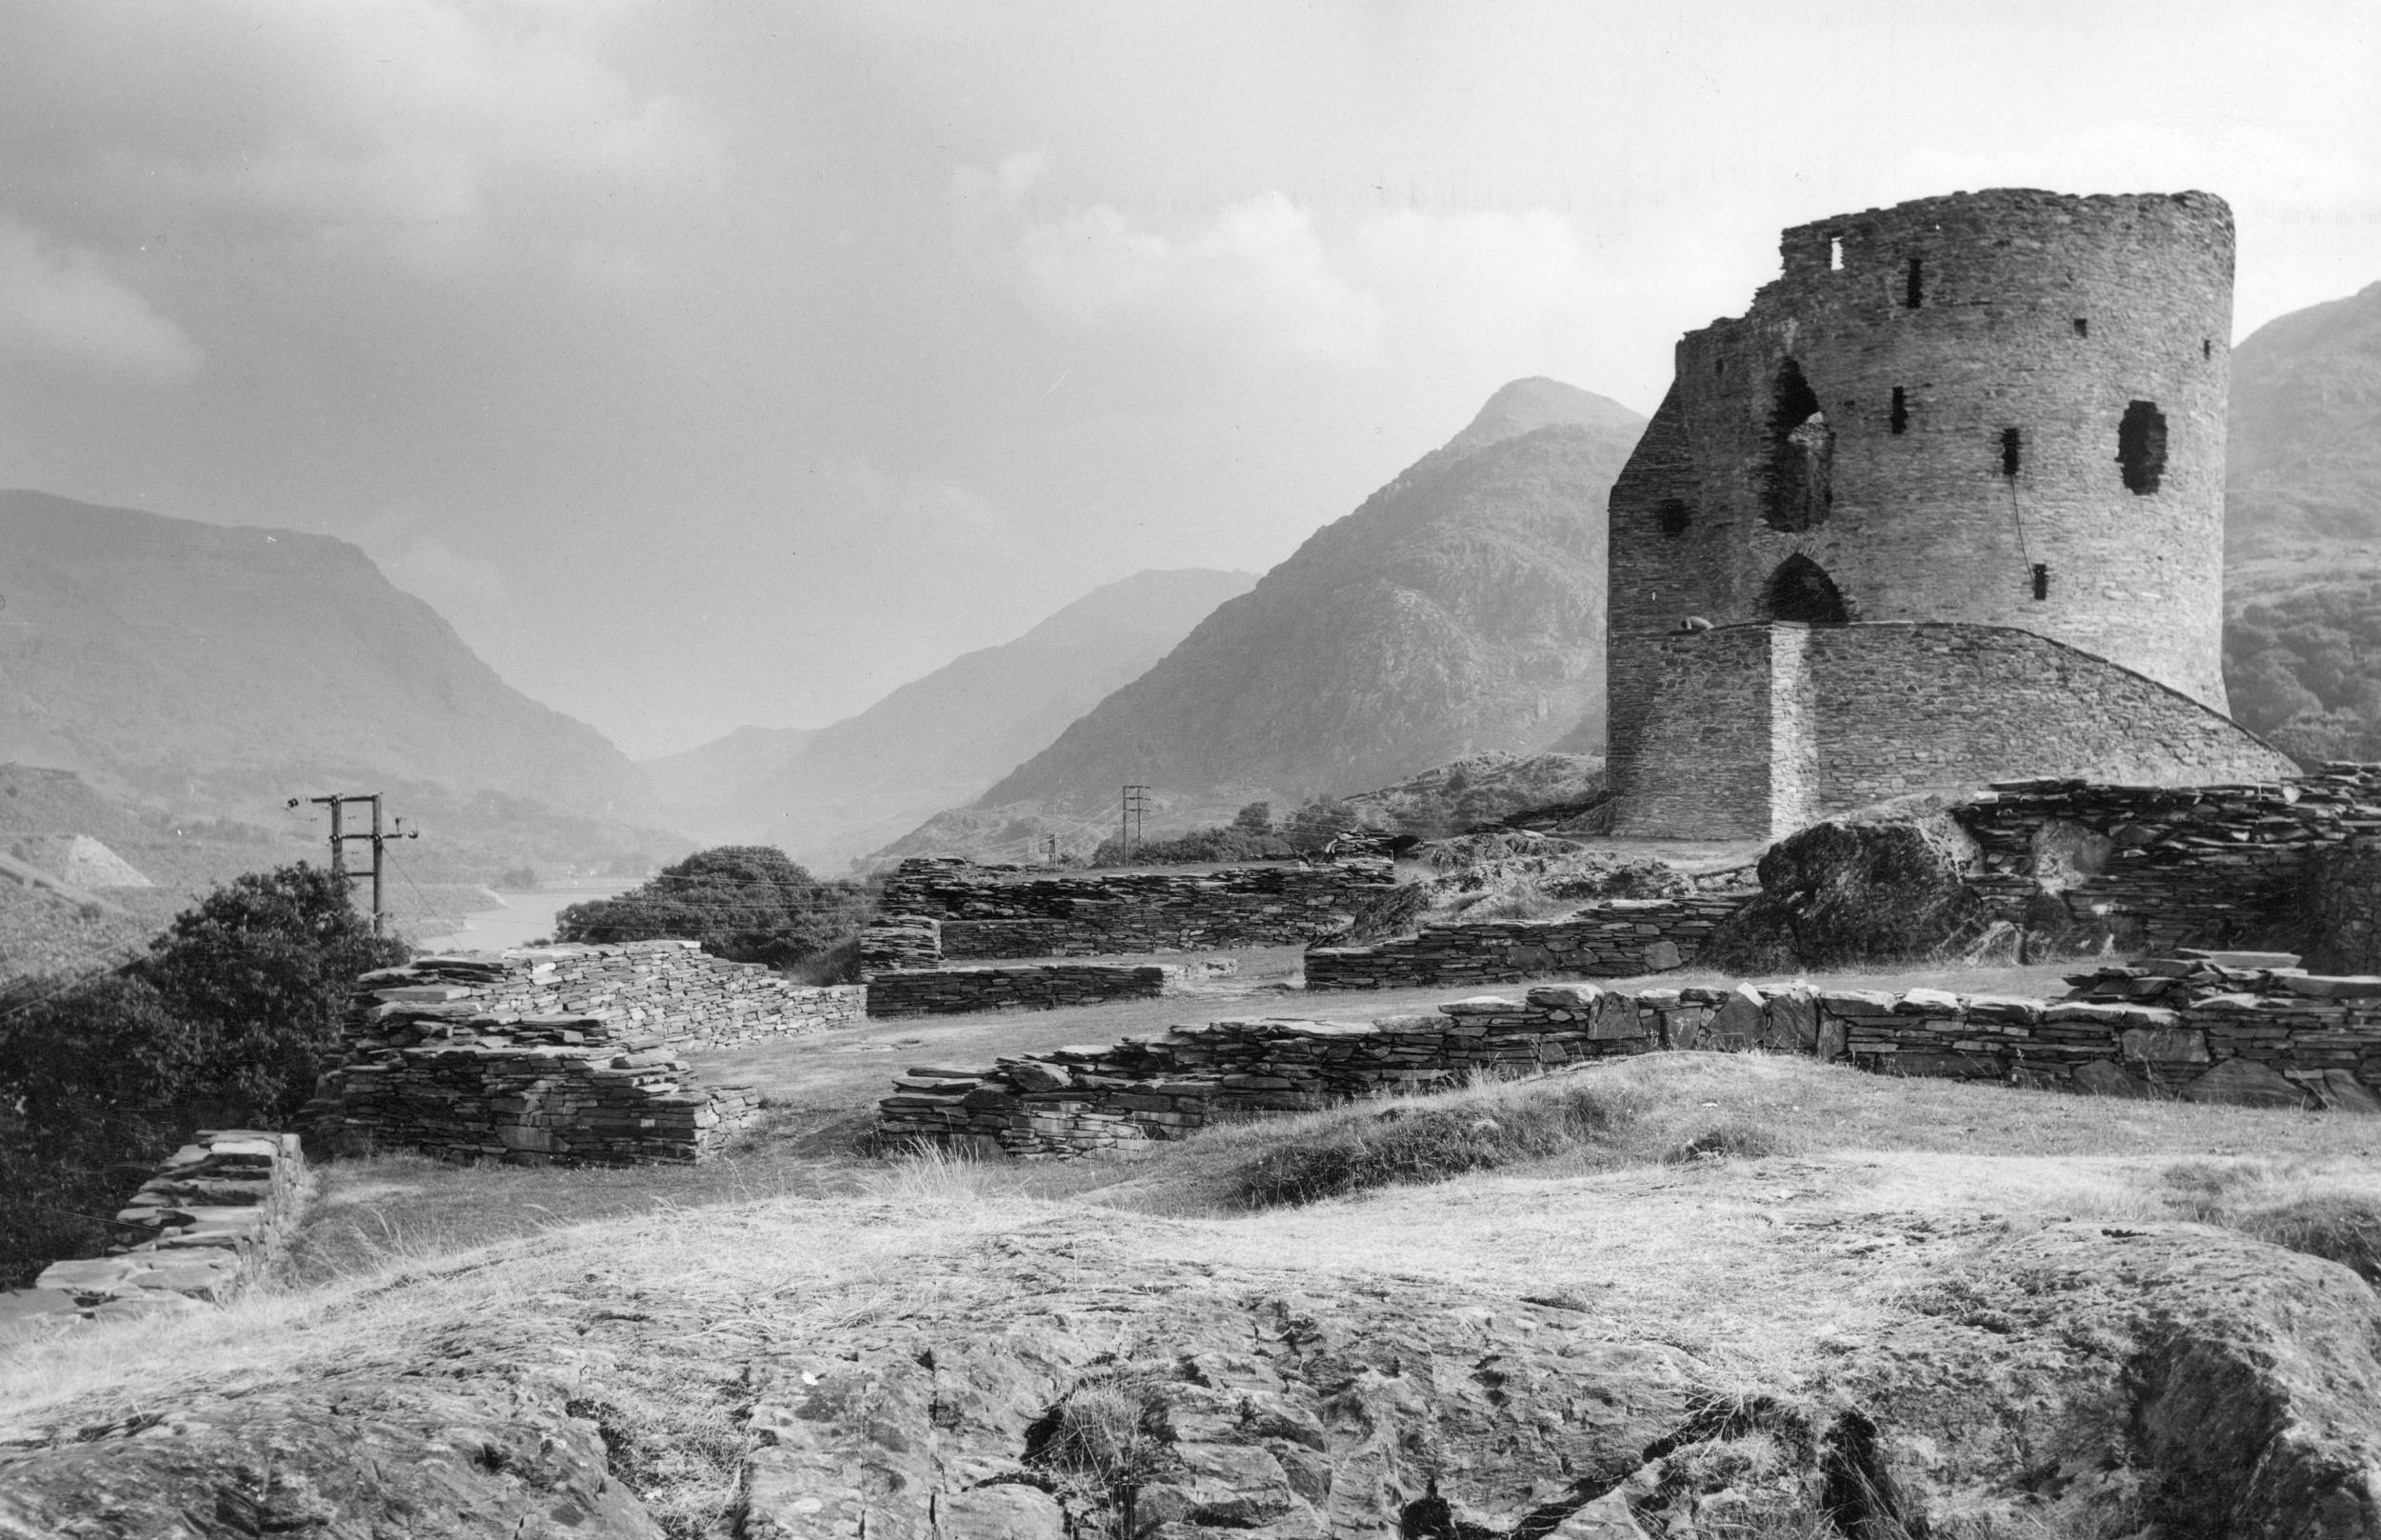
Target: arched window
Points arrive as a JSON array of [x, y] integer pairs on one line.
[[2141, 446], [1800, 589], [1673, 516], [1802, 453]]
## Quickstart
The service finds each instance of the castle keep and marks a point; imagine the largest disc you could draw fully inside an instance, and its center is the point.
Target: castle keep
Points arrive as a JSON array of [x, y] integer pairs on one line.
[[1944, 507]]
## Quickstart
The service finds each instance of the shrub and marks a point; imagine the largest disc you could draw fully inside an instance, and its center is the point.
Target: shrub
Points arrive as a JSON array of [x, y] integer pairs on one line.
[[748, 903], [1402, 1145]]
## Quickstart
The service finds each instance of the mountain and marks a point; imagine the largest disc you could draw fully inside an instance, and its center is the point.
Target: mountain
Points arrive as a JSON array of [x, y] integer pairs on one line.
[[708, 788], [2302, 637], [1459, 611], [225, 669], [2304, 459], [942, 739]]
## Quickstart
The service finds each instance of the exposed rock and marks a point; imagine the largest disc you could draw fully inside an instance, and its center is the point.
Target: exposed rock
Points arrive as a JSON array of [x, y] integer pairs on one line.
[[1876, 888], [2245, 1083], [335, 1460]]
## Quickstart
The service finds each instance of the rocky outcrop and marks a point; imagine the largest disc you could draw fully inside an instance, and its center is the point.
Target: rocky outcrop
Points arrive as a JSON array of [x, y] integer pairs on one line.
[[1879, 886]]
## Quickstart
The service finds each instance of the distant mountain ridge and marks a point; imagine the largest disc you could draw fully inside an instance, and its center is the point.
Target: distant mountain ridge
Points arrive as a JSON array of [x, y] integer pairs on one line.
[[1460, 610], [217, 666], [832, 792], [2303, 464]]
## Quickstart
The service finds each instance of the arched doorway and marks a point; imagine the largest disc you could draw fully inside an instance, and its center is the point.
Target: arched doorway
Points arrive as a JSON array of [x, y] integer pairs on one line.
[[1800, 589]]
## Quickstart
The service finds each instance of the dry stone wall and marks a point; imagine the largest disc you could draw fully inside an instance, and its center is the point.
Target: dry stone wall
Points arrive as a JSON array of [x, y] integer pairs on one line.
[[2343, 907], [2152, 868], [213, 1220], [949, 910], [1618, 938], [568, 1054], [2231, 1028], [937, 992]]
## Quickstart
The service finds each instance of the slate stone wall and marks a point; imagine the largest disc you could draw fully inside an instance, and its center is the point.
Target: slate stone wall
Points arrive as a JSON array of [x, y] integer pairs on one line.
[[2202, 1029], [2343, 907], [1620, 938], [1764, 729], [565, 1054], [213, 1220], [939, 992], [943, 909]]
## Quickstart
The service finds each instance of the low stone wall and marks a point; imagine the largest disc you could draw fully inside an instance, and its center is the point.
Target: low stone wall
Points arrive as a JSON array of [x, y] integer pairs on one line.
[[942, 992], [2213, 1028], [2154, 868], [565, 1054], [948, 910], [214, 1219], [1617, 938], [2343, 907]]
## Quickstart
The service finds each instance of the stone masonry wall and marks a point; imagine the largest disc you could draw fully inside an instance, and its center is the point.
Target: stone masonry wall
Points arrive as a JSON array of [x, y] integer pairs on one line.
[[2343, 907], [1617, 938], [986, 913], [2152, 868], [1764, 729], [212, 1222], [2211, 1028], [937, 992], [566, 1055]]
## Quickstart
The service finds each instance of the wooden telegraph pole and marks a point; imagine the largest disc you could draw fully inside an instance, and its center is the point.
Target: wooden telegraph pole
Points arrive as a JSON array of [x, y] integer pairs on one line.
[[337, 802]]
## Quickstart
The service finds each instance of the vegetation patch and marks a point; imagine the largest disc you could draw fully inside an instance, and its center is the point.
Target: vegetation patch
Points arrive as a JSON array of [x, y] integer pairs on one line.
[[747, 903]]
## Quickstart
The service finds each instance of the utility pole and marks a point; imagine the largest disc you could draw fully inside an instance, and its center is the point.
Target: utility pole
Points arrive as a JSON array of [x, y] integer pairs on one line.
[[337, 802], [1132, 818]]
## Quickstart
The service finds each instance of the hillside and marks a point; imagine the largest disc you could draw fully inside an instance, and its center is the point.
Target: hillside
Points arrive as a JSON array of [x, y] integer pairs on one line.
[[227, 667], [706, 788], [2302, 646], [1460, 610], [944, 738]]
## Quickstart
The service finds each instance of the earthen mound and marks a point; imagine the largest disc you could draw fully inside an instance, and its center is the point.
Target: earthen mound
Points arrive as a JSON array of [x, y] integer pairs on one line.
[[1882, 885]]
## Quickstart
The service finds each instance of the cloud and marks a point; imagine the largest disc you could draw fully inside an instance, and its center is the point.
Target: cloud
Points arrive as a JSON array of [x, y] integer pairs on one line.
[[431, 133], [1265, 276], [59, 301]]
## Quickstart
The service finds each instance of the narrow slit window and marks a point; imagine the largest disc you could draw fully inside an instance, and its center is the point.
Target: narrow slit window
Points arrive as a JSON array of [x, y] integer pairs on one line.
[[1835, 254], [2141, 447], [2083, 326], [1914, 284], [1899, 419], [2207, 347], [2041, 580], [2013, 451]]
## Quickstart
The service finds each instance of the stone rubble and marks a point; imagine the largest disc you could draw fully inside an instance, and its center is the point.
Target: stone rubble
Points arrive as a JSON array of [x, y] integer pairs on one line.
[[935, 992], [1614, 938]]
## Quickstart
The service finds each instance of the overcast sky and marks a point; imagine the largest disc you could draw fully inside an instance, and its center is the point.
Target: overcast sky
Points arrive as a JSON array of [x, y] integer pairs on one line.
[[721, 363]]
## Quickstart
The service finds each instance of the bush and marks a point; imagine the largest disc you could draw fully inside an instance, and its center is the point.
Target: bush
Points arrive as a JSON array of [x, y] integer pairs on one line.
[[748, 903], [230, 1019]]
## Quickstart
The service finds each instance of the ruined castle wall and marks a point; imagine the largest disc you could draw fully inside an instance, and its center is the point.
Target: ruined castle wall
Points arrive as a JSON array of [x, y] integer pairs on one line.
[[566, 1055], [1620, 938], [946, 991], [944, 908], [2267, 1038], [1764, 729], [1972, 421]]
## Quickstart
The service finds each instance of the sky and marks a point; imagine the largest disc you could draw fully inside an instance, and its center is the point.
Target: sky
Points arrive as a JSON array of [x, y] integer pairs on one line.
[[714, 363]]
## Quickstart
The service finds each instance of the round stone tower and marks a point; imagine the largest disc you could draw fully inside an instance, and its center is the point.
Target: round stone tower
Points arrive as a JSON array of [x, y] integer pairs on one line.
[[2001, 408]]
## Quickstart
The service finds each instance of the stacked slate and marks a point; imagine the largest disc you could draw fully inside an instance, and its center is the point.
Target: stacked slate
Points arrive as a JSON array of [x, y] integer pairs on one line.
[[993, 911], [568, 1054], [1616, 938], [214, 1219], [2167, 867], [941, 992], [2228, 1027]]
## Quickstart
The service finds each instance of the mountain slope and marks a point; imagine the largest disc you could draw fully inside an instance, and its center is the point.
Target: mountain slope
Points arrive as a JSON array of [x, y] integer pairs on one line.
[[710, 785], [1460, 610], [2304, 459], [942, 739], [2302, 640], [229, 668]]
